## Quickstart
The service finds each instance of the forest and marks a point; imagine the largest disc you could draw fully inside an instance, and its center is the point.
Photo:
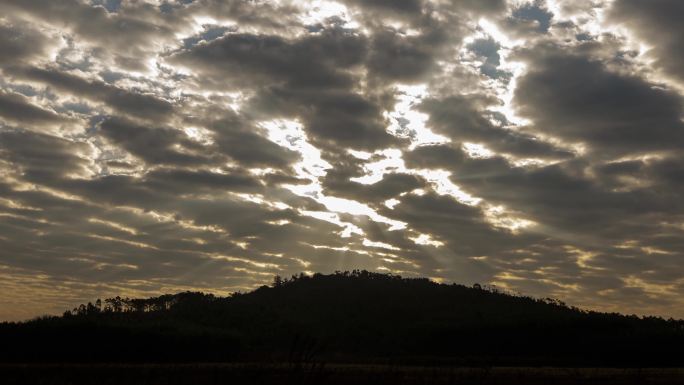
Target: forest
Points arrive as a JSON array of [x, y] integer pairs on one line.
[[356, 317]]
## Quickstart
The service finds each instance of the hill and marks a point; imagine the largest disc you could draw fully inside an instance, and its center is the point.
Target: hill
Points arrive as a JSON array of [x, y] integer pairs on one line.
[[357, 317]]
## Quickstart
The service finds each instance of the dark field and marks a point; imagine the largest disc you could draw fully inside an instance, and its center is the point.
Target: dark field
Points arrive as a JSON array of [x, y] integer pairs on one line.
[[200, 374], [385, 329]]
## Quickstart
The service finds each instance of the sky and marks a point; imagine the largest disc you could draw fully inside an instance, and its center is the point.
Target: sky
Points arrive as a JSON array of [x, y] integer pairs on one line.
[[151, 147]]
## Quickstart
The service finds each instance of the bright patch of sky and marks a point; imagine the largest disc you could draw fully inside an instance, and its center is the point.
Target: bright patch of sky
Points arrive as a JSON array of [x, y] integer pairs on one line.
[[406, 121], [500, 217], [426, 240], [504, 87], [290, 134], [475, 150], [318, 11]]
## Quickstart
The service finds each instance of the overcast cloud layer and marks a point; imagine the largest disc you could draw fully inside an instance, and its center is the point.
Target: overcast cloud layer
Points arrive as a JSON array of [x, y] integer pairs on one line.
[[158, 146]]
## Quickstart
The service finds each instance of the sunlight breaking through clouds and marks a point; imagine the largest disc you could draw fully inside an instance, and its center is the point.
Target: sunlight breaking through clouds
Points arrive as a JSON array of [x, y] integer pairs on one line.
[[406, 122], [290, 134], [500, 217], [426, 240]]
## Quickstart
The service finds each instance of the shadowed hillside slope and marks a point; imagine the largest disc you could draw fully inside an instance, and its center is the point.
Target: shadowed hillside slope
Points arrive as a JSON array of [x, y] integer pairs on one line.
[[357, 317]]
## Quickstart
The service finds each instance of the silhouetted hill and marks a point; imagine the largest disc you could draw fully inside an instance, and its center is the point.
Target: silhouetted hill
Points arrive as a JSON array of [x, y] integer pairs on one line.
[[347, 317]]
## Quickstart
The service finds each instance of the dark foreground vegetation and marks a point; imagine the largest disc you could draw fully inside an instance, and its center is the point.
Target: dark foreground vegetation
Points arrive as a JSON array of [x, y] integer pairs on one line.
[[264, 374], [314, 324]]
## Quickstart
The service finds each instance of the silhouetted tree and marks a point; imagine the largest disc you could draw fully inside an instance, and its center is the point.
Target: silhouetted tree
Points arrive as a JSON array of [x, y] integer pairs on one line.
[[277, 281], [357, 316]]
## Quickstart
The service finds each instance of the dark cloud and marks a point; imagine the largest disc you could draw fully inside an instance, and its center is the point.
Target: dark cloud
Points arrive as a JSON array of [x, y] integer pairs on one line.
[[122, 100], [129, 33], [578, 99], [265, 14], [185, 181], [401, 6], [467, 119], [157, 145], [403, 58], [310, 78], [40, 156], [658, 23], [248, 146], [242, 59], [466, 236], [19, 109], [339, 118], [416, 8], [480, 6], [599, 207], [558, 196], [435, 157], [19, 43]]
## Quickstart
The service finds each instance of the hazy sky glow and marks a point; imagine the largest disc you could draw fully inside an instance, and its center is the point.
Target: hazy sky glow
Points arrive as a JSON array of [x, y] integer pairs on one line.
[[150, 146]]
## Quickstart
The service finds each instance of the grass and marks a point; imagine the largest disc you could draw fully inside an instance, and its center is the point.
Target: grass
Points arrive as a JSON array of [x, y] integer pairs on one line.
[[321, 374]]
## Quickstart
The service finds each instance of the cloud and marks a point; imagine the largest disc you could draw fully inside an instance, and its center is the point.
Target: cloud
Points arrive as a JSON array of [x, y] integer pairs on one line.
[[266, 15], [154, 145], [245, 144], [128, 35], [578, 99], [242, 59], [391, 186], [40, 156], [657, 23], [19, 43], [403, 58], [466, 119], [310, 79], [125, 101], [18, 109]]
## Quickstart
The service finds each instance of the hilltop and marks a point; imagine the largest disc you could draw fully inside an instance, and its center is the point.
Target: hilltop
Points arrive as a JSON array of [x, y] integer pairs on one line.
[[358, 317]]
